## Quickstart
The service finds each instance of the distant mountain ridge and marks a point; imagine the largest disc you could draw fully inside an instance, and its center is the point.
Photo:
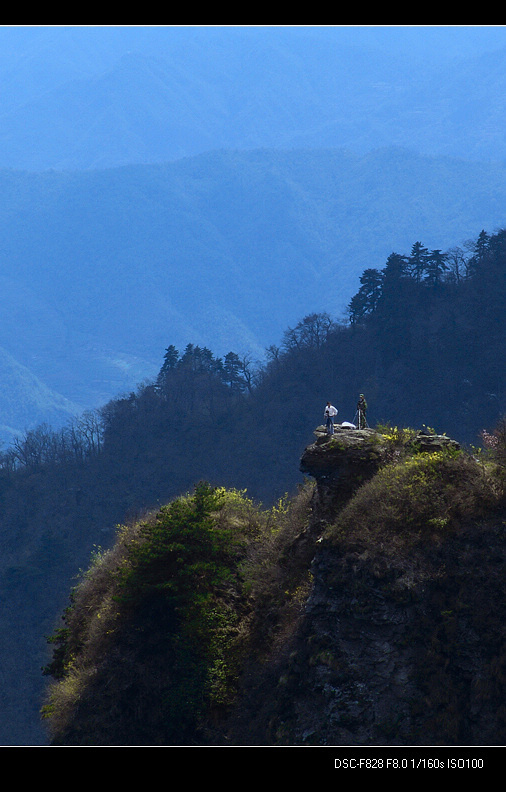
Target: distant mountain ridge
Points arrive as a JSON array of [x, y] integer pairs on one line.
[[101, 270], [214, 184], [74, 98], [24, 395]]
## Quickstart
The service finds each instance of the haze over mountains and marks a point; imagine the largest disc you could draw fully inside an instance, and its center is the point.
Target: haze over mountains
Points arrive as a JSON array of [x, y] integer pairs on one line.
[[165, 185]]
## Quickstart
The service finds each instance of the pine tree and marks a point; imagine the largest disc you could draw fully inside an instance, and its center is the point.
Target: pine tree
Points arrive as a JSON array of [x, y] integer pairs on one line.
[[417, 261], [435, 267]]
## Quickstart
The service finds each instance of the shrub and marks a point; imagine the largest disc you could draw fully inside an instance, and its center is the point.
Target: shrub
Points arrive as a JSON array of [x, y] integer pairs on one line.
[[417, 499], [163, 599], [495, 442], [159, 627]]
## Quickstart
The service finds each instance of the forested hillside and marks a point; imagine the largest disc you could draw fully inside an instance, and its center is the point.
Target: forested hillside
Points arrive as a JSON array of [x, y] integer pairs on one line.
[[365, 610], [101, 270], [425, 343]]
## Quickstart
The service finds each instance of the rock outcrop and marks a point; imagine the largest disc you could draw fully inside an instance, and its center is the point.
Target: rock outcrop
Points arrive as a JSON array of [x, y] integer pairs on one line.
[[373, 612], [402, 640], [339, 464], [342, 462]]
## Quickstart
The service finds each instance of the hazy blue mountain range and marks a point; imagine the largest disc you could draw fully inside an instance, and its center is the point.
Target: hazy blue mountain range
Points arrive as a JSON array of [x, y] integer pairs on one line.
[[102, 270], [213, 185], [93, 97]]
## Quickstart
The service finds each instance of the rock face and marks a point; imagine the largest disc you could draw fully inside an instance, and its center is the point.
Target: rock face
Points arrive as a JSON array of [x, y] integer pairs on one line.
[[341, 463], [399, 645]]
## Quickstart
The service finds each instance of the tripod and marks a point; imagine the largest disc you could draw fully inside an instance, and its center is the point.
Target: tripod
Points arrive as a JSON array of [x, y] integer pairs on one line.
[[360, 420]]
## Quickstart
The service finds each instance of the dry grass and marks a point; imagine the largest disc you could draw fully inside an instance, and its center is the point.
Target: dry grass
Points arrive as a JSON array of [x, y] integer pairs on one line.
[[419, 499]]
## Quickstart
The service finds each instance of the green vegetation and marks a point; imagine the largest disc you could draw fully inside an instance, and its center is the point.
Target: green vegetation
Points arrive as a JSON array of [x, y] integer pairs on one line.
[[415, 563], [157, 630], [204, 599], [419, 499]]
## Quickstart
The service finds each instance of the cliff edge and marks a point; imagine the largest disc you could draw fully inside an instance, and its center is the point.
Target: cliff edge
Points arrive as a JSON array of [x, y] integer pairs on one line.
[[403, 636], [342, 462]]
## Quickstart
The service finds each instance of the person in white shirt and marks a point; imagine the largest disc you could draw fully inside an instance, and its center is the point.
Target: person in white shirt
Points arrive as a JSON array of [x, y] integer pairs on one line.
[[329, 415]]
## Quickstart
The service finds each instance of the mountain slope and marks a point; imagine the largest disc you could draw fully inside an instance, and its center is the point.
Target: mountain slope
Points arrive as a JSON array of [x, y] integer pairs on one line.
[[101, 271], [419, 357], [369, 615], [25, 397], [77, 97]]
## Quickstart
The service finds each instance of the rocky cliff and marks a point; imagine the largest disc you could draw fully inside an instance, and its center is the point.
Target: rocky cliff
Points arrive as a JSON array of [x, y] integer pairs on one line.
[[369, 611], [402, 637], [341, 463]]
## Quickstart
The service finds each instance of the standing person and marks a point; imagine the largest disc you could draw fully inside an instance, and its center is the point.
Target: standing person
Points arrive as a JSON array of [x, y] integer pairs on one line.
[[361, 410], [329, 414]]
